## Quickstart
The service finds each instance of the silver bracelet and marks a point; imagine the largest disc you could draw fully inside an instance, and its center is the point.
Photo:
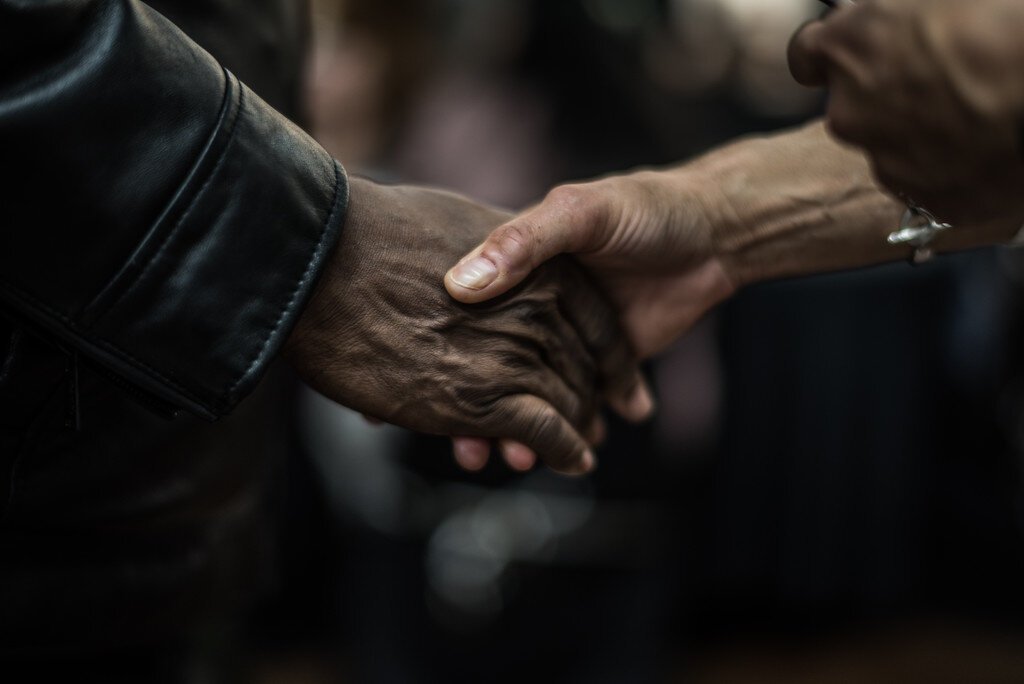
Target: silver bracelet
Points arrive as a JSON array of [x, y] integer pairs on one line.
[[918, 228]]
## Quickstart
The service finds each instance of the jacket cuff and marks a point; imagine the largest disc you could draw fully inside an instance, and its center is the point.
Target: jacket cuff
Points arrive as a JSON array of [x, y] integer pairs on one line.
[[196, 321]]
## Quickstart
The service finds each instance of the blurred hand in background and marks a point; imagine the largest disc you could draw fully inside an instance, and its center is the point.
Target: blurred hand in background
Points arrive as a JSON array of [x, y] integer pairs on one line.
[[932, 90]]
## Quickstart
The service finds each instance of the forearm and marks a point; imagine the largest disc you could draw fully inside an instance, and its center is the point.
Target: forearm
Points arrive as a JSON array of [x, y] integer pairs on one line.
[[799, 203]]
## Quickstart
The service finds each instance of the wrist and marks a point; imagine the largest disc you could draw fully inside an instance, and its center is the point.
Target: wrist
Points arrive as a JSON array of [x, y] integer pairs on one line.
[[326, 305], [794, 204], [720, 183]]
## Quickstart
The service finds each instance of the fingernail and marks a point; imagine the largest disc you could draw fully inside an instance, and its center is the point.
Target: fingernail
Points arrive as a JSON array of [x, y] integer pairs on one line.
[[475, 274]]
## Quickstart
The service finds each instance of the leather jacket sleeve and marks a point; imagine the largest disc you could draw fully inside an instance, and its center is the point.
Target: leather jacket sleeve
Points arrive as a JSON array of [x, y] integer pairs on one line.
[[156, 216]]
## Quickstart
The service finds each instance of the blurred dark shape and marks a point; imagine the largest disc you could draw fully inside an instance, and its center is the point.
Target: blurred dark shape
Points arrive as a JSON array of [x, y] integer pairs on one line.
[[130, 548], [865, 469]]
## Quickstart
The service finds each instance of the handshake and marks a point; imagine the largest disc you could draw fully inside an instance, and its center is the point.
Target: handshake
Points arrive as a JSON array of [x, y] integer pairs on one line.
[[446, 317], [522, 349]]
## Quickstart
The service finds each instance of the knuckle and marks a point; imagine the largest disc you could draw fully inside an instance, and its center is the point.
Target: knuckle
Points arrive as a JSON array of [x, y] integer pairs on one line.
[[577, 201], [512, 244], [568, 195], [472, 402], [547, 420], [545, 427], [540, 427]]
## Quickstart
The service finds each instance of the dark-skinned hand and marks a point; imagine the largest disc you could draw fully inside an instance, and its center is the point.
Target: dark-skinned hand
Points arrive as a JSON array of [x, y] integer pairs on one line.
[[932, 90], [382, 336]]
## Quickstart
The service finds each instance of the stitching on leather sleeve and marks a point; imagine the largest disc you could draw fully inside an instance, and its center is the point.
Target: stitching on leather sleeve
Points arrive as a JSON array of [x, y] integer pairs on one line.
[[290, 304]]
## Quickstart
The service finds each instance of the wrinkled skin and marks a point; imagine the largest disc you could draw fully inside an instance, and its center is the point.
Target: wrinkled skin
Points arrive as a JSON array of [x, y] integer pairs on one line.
[[932, 90], [383, 337]]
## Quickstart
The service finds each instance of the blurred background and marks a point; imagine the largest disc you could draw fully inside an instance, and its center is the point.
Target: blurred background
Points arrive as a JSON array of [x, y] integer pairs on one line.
[[831, 491]]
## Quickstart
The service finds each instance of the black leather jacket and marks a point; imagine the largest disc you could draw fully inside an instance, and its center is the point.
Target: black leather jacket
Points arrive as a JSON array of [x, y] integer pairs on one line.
[[162, 228]]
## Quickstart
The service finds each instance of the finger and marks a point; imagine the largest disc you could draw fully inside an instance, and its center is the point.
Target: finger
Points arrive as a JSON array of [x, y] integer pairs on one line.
[[569, 357], [372, 421], [807, 61], [471, 453], [536, 424], [598, 326], [597, 432], [519, 457], [577, 407], [564, 221], [562, 376], [635, 404]]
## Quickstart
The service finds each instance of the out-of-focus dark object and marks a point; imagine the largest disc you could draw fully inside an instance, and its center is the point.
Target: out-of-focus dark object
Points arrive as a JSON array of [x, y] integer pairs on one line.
[[129, 545]]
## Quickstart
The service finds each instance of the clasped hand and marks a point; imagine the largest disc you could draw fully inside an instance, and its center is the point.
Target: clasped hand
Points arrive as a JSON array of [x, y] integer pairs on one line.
[[381, 336]]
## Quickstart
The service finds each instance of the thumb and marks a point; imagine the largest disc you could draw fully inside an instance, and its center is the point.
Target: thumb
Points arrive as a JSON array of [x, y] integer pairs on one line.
[[563, 222]]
